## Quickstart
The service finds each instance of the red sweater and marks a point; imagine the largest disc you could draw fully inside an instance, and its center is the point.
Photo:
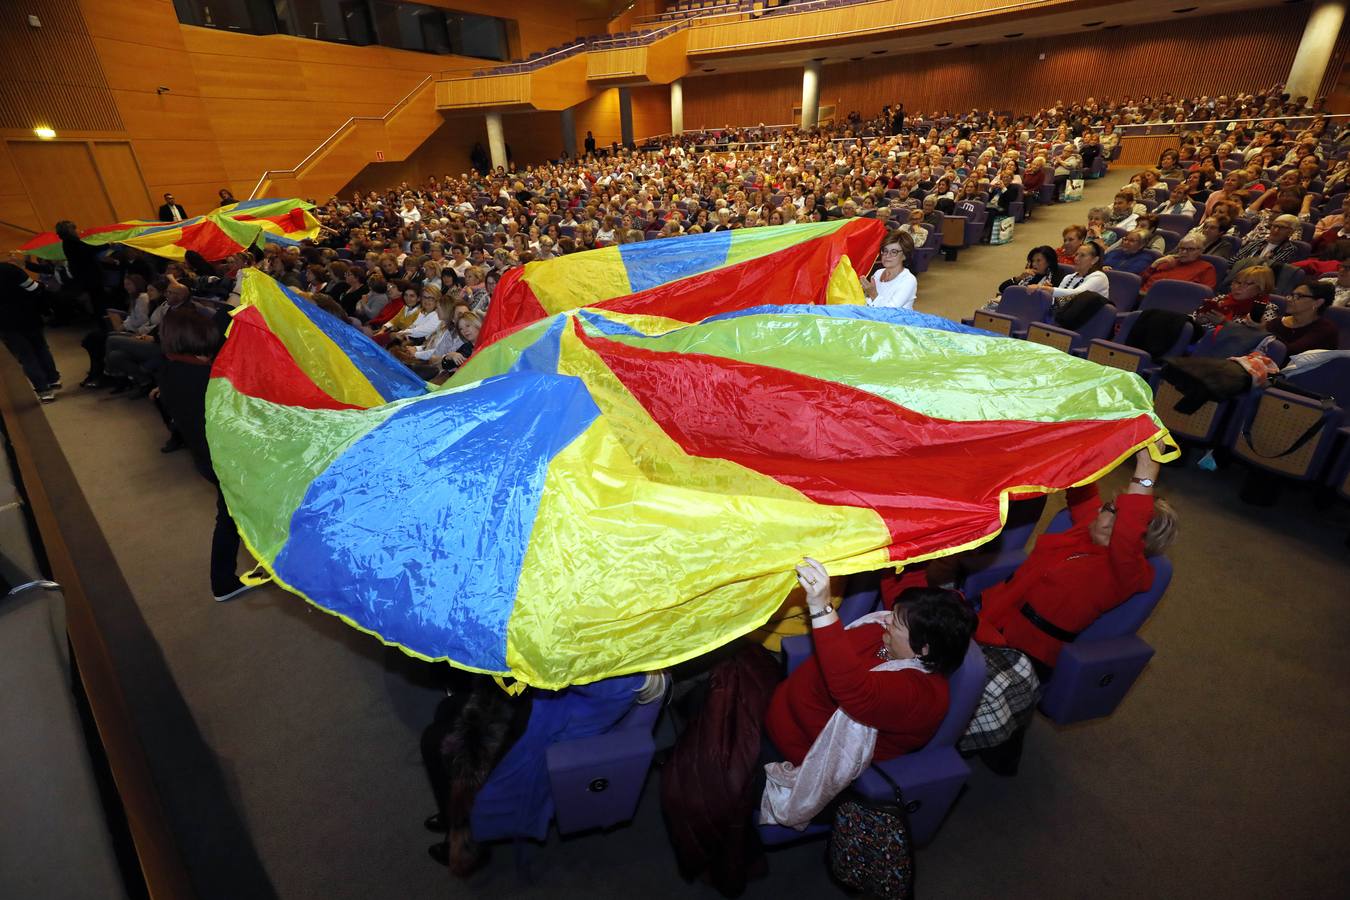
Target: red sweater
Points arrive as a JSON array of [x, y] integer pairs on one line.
[[1201, 271], [1068, 580], [906, 707]]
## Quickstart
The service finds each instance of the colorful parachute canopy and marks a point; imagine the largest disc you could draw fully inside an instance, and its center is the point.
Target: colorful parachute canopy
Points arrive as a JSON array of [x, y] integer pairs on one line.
[[598, 493], [216, 235], [687, 279]]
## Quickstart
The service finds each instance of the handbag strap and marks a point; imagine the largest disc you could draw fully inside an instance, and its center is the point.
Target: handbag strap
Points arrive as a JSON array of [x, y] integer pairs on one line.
[[1308, 434], [899, 794]]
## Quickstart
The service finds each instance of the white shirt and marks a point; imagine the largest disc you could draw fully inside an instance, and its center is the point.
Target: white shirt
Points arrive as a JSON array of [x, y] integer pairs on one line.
[[424, 325], [1073, 283], [410, 216], [898, 293]]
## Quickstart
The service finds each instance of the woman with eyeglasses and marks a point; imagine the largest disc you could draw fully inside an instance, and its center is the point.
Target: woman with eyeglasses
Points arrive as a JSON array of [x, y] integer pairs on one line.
[[1248, 295], [893, 285], [1073, 577], [1303, 326]]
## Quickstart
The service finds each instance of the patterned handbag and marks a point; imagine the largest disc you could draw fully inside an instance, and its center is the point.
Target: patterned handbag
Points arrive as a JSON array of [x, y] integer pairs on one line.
[[870, 848]]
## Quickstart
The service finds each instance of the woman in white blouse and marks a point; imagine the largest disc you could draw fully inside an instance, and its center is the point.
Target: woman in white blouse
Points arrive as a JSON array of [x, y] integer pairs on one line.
[[893, 285], [1087, 274]]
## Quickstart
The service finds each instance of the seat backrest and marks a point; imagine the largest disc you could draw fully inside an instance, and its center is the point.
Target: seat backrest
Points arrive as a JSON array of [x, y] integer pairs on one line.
[[1102, 323], [1177, 223], [1178, 296], [1170, 238], [964, 688], [1331, 379], [1126, 618], [1340, 317], [1124, 289], [1220, 266], [1024, 304]]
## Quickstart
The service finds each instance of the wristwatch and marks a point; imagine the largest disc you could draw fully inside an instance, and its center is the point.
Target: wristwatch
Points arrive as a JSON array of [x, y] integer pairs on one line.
[[829, 608], [1144, 482]]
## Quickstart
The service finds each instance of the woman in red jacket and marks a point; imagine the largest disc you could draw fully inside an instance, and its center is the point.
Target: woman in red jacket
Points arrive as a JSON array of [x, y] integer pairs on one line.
[[930, 625], [1073, 577]]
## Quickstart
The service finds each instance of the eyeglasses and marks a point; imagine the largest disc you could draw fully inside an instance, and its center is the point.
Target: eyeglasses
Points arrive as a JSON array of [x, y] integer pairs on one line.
[[891, 250]]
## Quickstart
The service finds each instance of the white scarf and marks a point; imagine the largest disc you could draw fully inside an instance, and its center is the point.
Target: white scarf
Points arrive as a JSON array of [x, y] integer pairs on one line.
[[793, 795]]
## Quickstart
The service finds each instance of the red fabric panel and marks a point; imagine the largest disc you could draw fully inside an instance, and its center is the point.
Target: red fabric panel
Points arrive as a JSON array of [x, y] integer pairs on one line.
[[258, 364], [797, 274], [207, 239], [513, 306], [934, 482]]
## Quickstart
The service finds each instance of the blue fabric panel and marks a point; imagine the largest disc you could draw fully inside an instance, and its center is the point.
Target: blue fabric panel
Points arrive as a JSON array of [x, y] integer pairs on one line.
[[542, 355], [516, 801], [392, 379], [418, 531], [654, 263], [608, 326], [171, 226]]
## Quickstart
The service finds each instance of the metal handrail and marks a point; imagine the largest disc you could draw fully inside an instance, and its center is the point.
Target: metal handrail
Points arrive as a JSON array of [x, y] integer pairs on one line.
[[646, 37], [794, 10], [537, 62], [336, 134]]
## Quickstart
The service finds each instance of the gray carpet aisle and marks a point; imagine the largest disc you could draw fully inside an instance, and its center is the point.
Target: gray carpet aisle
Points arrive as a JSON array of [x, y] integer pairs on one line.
[[1221, 775]]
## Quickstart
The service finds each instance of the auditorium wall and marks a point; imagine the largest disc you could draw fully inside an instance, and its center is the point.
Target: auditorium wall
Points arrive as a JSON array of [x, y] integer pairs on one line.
[[1209, 55], [236, 104]]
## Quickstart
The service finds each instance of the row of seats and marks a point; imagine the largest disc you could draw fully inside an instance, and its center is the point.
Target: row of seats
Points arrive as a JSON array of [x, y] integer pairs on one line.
[[1091, 678]]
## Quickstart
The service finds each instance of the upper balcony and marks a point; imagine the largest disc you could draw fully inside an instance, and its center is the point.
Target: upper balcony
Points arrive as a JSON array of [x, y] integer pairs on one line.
[[669, 46]]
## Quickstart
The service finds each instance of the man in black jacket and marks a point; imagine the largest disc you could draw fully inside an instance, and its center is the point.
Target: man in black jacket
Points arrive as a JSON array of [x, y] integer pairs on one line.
[[21, 300], [171, 211]]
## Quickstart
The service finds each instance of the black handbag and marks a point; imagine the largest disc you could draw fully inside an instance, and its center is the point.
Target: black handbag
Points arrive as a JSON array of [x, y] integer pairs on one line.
[[870, 846]]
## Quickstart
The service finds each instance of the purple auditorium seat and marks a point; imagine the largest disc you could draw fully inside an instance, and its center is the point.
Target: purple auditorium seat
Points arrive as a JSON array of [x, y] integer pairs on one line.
[[1340, 317], [930, 777], [1291, 434], [975, 213], [1179, 224], [1018, 307], [1170, 239], [1124, 290], [1220, 266], [1100, 326], [597, 781], [1095, 672], [924, 254], [1177, 296]]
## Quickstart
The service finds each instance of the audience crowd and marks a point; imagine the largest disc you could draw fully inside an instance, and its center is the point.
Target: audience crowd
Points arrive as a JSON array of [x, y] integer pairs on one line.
[[416, 266]]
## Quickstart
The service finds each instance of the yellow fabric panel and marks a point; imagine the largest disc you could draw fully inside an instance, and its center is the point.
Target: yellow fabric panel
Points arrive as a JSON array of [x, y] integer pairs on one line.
[[625, 491], [313, 351], [578, 279], [160, 244], [844, 286]]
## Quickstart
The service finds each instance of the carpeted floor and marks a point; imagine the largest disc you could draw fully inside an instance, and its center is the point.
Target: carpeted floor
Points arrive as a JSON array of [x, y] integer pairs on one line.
[[1222, 773]]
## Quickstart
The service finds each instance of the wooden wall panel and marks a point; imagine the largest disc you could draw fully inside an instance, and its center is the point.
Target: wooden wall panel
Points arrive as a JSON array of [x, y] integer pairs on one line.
[[1216, 54], [651, 110], [78, 98], [122, 181], [600, 115], [62, 181]]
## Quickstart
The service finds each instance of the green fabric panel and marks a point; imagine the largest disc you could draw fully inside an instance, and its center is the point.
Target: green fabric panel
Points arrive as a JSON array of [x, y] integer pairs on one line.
[[266, 455], [752, 243], [959, 377]]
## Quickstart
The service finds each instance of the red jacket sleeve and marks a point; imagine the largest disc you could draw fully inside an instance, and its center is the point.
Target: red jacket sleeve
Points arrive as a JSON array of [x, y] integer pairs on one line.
[[1084, 503], [872, 699], [1133, 513]]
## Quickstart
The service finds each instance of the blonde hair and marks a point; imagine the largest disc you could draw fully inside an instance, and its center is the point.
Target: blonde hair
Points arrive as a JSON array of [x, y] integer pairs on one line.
[[1263, 275], [1162, 528]]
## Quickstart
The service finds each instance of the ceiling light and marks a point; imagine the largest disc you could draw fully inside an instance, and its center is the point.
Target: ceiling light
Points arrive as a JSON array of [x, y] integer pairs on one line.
[[943, 44], [878, 52], [971, 46], [1185, 9], [44, 132], [1093, 24], [1015, 34]]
